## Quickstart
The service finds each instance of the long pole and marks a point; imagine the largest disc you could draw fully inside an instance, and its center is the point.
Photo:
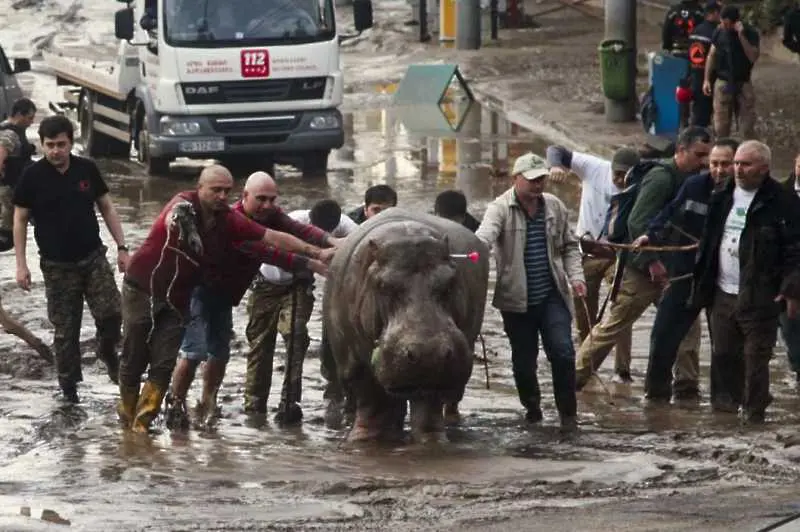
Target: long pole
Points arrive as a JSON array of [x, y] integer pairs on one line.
[[620, 22], [468, 24]]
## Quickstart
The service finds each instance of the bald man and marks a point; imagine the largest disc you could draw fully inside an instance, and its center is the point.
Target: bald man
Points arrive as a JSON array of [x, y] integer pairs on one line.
[[208, 333], [748, 269], [190, 243]]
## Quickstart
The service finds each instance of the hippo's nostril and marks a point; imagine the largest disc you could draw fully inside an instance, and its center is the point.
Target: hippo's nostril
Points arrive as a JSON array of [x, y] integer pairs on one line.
[[409, 354]]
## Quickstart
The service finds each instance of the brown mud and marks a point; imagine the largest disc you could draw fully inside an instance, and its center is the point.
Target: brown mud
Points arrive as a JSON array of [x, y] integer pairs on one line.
[[631, 467]]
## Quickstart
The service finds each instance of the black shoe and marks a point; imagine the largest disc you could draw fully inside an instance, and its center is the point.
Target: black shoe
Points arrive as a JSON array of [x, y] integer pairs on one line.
[[534, 415], [569, 425], [70, 394], [688, 393], [289, 416], [753, 418], [176, 416], [724, 404], [623, 376]]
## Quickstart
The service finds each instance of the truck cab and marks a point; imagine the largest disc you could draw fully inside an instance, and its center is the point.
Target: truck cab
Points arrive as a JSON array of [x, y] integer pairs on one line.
[[10, 90], [231, 80]]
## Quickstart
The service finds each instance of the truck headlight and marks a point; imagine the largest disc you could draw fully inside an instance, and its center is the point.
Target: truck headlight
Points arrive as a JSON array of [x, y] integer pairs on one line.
[[177, 128], [324, 122]]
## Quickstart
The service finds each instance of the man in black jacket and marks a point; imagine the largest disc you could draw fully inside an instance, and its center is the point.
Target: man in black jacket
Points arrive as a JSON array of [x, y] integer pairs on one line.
[[747, 270], [699, 46], [790, 327], [682, 222]]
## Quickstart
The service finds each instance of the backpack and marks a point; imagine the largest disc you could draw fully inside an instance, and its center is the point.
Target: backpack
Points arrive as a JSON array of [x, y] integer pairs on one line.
[[615, 227], [648, 110]]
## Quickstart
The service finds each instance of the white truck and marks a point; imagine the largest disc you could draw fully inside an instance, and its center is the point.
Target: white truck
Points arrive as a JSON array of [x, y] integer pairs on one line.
[[233, 80]]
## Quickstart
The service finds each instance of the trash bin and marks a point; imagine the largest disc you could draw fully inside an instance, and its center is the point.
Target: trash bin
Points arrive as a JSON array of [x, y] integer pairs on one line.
[[616, 62]]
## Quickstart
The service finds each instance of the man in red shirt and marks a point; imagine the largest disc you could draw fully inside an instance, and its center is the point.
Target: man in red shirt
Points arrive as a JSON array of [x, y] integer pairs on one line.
[[189, 240], [208, 335]]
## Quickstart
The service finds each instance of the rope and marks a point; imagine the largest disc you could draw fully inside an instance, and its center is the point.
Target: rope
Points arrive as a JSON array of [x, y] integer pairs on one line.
[[485, 359], [591, 340], [631, 247]]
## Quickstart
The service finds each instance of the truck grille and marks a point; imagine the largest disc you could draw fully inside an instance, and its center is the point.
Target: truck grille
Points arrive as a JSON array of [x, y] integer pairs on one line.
[[278, 122], [271, 90]]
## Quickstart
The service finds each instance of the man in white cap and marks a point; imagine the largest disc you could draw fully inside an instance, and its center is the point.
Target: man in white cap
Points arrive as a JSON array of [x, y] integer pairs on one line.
[[538, 269]]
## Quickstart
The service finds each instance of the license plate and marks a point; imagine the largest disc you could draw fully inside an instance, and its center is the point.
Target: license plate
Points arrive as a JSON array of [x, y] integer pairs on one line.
[[201, 146]]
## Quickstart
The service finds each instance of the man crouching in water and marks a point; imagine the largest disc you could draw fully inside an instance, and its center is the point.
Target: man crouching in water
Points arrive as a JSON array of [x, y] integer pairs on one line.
[[208, 334], [192, 237]]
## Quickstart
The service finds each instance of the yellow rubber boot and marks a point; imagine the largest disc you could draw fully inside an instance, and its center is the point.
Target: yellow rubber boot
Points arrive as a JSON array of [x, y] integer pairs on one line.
[[126, 407], [148, 407]]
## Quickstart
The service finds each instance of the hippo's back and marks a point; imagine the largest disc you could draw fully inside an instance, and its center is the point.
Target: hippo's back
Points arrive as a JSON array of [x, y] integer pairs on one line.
[[342, 281]]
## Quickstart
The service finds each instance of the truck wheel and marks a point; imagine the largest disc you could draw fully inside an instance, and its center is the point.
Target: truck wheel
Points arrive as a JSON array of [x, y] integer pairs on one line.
[[96, 144], [153, 165], [315, 164]]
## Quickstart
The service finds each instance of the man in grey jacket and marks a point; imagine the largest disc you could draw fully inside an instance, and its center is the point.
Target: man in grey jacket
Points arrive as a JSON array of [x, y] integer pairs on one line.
[[538, 268]]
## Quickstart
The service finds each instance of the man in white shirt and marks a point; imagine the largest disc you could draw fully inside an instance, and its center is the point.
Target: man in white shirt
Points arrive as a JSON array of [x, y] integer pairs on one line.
[[273, 295], [600, 180], [748, 271]]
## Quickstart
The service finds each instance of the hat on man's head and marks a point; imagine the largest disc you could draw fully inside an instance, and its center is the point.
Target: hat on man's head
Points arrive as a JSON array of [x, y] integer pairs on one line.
[[624, 159], [530, 166]]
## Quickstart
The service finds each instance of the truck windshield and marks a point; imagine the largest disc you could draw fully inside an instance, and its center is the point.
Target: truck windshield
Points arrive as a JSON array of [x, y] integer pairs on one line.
[[219, 23]]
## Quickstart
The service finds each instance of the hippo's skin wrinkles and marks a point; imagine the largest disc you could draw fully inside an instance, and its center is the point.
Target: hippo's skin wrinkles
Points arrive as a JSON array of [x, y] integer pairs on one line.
[[402, 317]]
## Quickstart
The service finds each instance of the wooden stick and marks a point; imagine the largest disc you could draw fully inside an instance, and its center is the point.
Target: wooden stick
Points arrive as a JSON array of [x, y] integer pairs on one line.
[[688, 247]]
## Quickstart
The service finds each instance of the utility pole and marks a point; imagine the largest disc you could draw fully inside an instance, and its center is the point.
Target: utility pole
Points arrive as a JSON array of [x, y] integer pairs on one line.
[[620, 19], [468, 24]]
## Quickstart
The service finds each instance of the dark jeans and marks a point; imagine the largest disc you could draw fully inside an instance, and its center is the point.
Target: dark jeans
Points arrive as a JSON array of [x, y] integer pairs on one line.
[[674, 318], [553, 321], [701, 109], [790, 331], [740, 356]]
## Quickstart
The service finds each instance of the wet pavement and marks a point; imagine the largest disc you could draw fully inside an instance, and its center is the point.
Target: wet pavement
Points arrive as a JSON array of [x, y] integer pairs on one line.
[[247, 474], [631, 467]]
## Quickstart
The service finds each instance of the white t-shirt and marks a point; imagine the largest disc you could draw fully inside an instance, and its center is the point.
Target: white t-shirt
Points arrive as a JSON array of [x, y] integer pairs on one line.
[[797, 187], [276, 275], [728, 278], [596, 191]]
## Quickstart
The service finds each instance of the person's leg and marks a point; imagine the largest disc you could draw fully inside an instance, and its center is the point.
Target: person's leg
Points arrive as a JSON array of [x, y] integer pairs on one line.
[[263, 309], [523, 335], [103, 299], [727, 358], [556, 326]]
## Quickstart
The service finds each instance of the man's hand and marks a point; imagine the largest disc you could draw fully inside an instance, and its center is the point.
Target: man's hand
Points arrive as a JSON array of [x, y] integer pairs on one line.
[[326, 255], [558, 174], [658, 273], [791, 305], [335, 242], [579, 288], [641, 241], [123, 257], [707, 88], [318, 267], [739, 27], [24, 277]]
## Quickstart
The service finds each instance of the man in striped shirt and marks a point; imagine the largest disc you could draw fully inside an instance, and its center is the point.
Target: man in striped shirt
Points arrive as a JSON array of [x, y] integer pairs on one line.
[[538, 269]]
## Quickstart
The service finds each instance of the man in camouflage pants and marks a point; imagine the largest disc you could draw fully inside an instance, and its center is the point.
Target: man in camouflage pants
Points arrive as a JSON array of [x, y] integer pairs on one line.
[[60, 192], [277, 296]]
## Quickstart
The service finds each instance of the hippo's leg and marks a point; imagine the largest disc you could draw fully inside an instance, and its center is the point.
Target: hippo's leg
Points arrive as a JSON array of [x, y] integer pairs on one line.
[[451, 414], [377, 416], [427, 419]]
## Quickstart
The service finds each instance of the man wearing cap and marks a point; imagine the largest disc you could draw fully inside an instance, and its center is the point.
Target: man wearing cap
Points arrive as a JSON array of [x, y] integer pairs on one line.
[[538, 269], [699, 45], [644, 276], [600, 180]]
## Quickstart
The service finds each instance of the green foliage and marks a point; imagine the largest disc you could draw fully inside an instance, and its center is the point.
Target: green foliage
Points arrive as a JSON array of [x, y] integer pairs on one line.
[[766, 15]]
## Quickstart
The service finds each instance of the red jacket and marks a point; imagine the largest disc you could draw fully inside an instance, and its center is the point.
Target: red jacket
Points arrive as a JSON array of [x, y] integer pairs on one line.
[[169, 269]]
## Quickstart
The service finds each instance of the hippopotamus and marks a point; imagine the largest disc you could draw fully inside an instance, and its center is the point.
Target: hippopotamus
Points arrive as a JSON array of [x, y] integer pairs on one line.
[[403, 305]]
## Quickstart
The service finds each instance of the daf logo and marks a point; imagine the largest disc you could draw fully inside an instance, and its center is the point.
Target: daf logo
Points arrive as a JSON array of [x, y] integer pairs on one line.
[[311, 85], [202, 90]]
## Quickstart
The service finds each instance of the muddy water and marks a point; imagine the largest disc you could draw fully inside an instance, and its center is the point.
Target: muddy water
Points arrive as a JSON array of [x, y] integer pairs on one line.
[[250, 475]]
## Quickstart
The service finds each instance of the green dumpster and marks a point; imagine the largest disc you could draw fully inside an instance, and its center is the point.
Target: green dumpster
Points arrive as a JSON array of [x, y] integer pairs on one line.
[[615, 69]]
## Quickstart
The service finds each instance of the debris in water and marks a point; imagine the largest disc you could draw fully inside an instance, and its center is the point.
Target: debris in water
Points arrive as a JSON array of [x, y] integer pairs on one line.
[[25, 511], [52, 517]]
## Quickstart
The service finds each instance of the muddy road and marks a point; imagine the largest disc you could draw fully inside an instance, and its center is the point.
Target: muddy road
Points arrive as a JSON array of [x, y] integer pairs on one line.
[[247, 474], [631, 467]]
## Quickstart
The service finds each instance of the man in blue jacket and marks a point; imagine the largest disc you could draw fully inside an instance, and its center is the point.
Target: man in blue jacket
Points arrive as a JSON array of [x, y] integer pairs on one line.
[[681, 222]]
